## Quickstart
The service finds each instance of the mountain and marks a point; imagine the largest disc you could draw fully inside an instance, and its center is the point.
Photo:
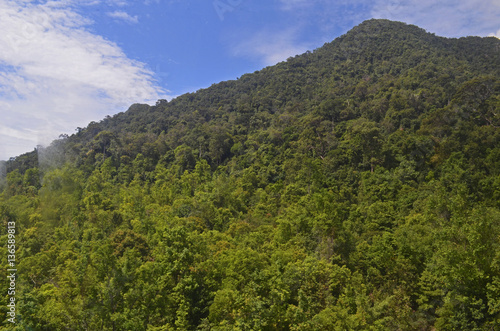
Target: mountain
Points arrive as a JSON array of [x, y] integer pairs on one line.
[[372, 57], [356, 186]]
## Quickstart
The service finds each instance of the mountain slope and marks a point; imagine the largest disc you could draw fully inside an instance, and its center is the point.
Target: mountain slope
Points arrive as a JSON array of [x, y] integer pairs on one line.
[[370, 58], [353, 187]]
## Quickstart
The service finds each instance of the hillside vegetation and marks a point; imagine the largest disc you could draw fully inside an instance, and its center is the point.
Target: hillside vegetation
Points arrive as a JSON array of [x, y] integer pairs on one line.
[[354, 187]]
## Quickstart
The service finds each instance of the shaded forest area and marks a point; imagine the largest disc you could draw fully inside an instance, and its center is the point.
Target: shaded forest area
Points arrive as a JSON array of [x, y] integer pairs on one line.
[[355, 187]]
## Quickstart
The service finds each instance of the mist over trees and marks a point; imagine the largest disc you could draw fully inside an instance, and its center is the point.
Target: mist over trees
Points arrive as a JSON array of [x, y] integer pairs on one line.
[[354, 187]]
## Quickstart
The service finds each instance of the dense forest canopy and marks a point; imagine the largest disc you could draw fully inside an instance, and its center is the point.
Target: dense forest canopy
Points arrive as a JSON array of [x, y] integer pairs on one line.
[[354, 187]]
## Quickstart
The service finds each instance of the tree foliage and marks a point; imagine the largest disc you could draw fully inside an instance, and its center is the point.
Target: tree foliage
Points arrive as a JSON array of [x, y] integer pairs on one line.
[[355, 187]]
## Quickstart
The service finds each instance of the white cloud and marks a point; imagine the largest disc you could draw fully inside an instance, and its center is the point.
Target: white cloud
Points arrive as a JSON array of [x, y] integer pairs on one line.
[[324, 17], [121, 15], [295, 4], [119, 3], [446, 17], [270, 47], [56, 76]]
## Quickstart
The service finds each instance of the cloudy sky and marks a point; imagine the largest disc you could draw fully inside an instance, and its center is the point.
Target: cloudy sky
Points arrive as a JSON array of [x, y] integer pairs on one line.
[[64, 63]]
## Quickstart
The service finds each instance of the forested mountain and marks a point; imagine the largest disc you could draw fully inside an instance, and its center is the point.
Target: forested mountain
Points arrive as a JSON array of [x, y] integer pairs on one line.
[[354, 187]]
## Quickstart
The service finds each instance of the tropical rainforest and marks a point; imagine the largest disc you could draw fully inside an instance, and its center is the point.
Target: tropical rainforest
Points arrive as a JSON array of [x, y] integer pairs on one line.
[[353, 187]]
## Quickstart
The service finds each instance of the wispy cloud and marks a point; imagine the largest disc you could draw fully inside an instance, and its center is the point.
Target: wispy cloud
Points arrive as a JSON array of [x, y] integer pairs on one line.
[[327, 15], [446, 17], [295, 4], [449, 18], [270, 47], [55, 75], [121, 15], [299, 19], [120, 3]]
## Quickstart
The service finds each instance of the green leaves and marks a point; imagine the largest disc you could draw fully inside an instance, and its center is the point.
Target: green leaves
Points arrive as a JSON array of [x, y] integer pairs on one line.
[[356, 187]]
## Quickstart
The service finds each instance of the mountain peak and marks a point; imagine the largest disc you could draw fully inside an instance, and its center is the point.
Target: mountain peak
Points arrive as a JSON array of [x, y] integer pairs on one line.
[[387, 30]]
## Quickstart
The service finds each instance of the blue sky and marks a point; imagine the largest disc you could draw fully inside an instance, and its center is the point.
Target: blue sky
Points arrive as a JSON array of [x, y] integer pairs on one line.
[[64, 63]]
